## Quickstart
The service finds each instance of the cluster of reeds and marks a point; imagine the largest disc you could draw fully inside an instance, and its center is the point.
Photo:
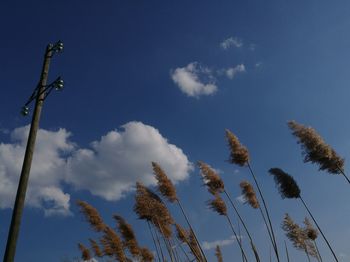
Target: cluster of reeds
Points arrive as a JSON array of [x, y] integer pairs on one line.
[[176, 243]]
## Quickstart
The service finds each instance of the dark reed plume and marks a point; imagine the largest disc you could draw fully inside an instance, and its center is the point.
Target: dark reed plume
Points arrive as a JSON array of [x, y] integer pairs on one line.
[[249, 195], [312, 234], [112, 245], [285, 183], [298, 237], [92, 216], [128, 235], [218, 254], [239, 155], [316, 150], [218, 205], [85, 253], [211, 179], [288, 188], [168, 190], [96, 248]]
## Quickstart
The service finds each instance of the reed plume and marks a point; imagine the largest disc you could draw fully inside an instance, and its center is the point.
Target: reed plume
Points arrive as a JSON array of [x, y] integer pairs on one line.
[[211, 179], [182, 234], [298, 237], [315, 149], [168, 190], [146, 255], [112, 244], [239, 155], [218, 254], [85, 253], [288, 188], [96, 248], [165, 186], [218, 205], [285, 183], [249, 195], [128, 235], [92, 216], [312, 234]]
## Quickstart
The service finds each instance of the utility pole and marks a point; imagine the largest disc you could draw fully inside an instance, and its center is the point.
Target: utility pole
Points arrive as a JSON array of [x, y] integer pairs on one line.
[[39, 95]]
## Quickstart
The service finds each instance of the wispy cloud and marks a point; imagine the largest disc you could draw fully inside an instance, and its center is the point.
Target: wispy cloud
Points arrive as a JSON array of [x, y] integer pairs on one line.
[[233, 71], [188, 79], [224, 242], [231, 42]]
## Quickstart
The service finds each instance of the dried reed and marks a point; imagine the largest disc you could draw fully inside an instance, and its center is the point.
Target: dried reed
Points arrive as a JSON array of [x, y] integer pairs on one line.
[[85, 253], [285, 183], [112, 244], [218, 254], [92, 216], [239, 155], [165, 186], [249, 195], [96, 248]]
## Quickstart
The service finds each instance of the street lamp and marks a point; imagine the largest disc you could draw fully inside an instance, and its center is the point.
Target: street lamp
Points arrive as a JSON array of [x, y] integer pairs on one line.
[[39, 94]]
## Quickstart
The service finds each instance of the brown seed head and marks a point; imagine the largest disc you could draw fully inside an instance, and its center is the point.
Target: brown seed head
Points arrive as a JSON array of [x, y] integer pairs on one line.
[[238, 153], [128, 235], [92, 216], [85, 253], [315, 149], [218, 205], [311, 232], [112, 245], [182, 234], [96, 248], [165, 186], [249, 194], [211, 179], [194, 246], [146, 255], [286, 184], [218, 254]]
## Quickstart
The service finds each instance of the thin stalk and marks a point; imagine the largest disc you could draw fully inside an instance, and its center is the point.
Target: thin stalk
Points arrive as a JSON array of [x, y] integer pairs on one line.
[[245, 227], [267, 226], [266, 211], [175, 249], [318, 252], [307, 254], [189, 224], [234, 232], [270, 254], [343, 173], [154, 241], [285, 244], [167, 245], [183, 250], [319, 229], [239, 233]]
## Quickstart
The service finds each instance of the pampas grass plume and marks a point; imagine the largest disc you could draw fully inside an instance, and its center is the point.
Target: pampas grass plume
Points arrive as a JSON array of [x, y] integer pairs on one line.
[[286, 184]]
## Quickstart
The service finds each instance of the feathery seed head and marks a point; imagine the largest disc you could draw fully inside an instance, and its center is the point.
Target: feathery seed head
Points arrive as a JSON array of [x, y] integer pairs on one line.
[[218, 254], [92, 216], [218, 205], [165, 186], [211, 179], [96, 248], [238, 153], [112, 245], [286, 184], [128, 236], [85, 253], [182, 233], [249, 194], [311, 232], [315, 149], [146, 255]]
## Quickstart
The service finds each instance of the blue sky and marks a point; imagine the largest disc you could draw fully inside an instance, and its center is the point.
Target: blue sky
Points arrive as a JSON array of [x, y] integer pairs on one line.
[[153, 79]]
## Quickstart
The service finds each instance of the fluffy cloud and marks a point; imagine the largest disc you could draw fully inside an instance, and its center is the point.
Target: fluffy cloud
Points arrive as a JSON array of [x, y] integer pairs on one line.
[[231, 41], [188, 80], [108, 169], [225, 242], [44, 190], [233, 71], [119, 159]]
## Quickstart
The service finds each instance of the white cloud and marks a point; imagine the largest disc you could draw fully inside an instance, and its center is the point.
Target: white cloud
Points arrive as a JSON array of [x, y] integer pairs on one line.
[[108, 169], [224, 242], [188, 80], [114, 163], [233, 71], [231, 41], [44, 190]]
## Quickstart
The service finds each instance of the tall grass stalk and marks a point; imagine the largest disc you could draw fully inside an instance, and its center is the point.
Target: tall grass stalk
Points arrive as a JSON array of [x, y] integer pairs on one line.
[[287, 254], [154, 242]]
